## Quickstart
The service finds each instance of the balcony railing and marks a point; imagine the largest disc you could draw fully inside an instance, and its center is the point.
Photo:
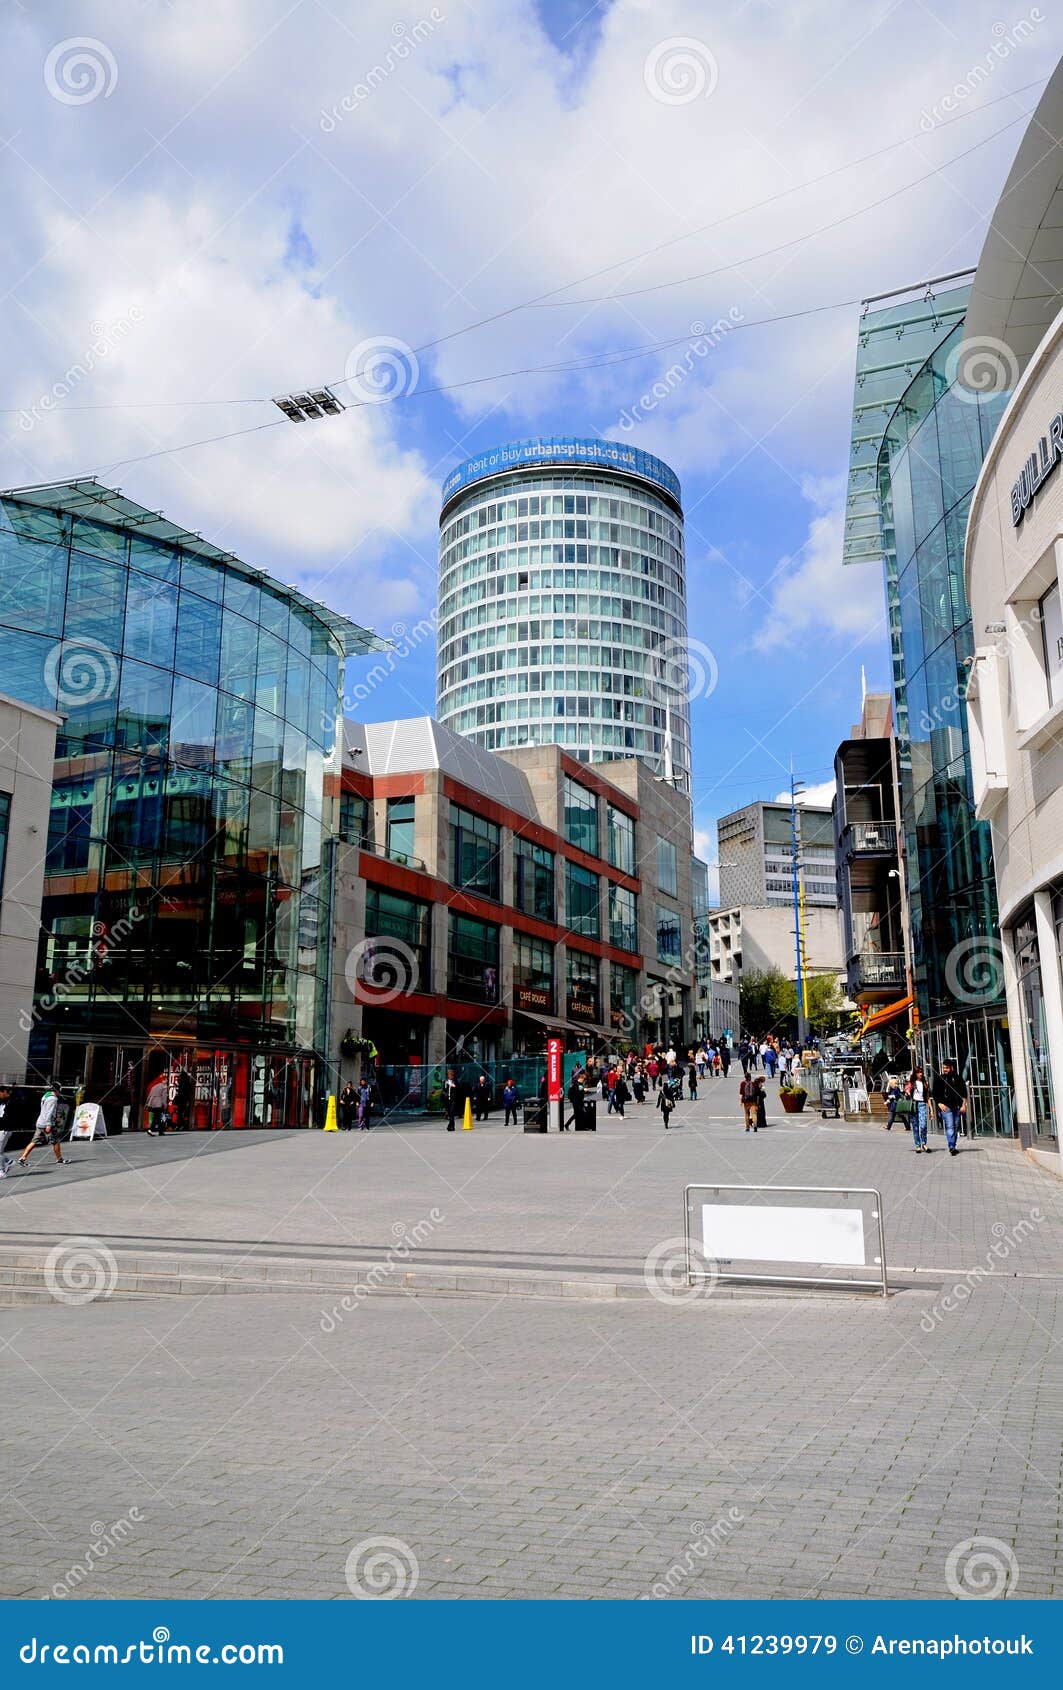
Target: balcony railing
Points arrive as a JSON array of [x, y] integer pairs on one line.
[[870, 839], [879, 968], [364, 843]]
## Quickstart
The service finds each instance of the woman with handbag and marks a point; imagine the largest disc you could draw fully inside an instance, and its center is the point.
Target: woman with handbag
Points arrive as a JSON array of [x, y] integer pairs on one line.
[[919, 1093]]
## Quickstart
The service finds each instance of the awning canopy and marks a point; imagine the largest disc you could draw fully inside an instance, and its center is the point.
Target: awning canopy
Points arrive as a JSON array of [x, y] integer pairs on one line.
[[888, 1012], [557, 1023]]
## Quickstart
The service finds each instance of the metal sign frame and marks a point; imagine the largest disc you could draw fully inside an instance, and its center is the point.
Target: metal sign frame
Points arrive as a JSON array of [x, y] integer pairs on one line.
[[879, 1284]]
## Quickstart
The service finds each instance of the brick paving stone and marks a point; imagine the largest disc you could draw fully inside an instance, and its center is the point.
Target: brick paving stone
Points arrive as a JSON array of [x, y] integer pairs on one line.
[[527, 1448]]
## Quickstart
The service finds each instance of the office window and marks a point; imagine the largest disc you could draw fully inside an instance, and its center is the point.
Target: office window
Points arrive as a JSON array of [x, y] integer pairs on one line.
[[621, 830], [533, 878], [472, 959], [582, 986], [5, 822], [533, 973], [356, 820], [474, 853], [581, 817], [1052, 634], [623, 984], [390, 916], [400, 829], [669, 937], [581, 901], [666, 868], [623, 918], [69, 829]]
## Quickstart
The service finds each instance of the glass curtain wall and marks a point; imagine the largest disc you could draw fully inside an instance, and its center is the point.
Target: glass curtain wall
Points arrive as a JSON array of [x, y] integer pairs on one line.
[[929, 461], [185, 896]]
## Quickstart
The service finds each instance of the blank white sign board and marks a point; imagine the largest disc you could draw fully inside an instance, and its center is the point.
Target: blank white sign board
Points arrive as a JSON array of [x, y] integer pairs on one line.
[[757, 1233]]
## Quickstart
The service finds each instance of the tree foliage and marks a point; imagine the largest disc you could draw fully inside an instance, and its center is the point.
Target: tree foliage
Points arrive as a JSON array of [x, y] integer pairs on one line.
[[768, 1002]]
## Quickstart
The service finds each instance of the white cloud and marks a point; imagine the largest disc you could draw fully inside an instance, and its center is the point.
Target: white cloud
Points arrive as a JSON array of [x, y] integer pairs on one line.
[[813, 595], [481, 169], [820, 794]]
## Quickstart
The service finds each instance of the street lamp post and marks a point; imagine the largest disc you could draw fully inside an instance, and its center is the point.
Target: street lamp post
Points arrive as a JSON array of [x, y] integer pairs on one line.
[[796, 787]]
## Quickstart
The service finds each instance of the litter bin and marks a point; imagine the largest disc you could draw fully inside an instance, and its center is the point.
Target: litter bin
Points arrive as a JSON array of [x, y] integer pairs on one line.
[[535, 1115], [586, 1121]]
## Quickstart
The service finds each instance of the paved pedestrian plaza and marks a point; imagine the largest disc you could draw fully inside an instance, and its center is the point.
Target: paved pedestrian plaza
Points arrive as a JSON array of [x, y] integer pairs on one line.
[[739, 1443]]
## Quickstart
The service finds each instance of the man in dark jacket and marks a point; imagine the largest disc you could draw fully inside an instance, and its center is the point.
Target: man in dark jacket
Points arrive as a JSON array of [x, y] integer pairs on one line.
[[950, 1100], [482, 1098]]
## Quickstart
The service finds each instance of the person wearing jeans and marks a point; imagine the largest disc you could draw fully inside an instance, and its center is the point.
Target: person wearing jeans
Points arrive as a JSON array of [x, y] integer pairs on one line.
[[950, 1098], [918, 1091]]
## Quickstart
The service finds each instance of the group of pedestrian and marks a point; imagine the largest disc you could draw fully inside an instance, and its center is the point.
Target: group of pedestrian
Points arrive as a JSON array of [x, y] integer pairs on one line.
[[774, 1055], [915, 1098], [355, 1107]]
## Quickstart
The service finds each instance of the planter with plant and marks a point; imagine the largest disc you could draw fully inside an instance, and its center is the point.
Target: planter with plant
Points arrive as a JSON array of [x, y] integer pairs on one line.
[[351, 1046], [792, 1097]]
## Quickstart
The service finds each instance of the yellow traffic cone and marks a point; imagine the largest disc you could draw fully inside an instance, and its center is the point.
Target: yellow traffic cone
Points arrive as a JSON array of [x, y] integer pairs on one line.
[[466, 1121], [331, 1124]]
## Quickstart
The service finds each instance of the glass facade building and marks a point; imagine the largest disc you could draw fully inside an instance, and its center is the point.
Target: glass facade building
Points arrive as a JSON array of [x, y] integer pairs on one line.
[[928, 462], [562, 603], [185, 920]]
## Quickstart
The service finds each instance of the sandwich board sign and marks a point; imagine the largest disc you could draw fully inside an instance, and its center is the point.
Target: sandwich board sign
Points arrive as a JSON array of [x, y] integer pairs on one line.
[[88, 1122]]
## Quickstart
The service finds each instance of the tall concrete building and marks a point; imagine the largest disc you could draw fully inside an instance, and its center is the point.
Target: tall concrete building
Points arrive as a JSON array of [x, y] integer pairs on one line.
[[562, 602], [756, 856]]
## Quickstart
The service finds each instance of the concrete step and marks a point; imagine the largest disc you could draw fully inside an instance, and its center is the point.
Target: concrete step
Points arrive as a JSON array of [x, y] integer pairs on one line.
[[26, 1277]]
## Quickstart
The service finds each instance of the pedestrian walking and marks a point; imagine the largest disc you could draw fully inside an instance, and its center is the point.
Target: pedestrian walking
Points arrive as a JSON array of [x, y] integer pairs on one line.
[[51, 1119], [619, 1095], [893, 1097], [348, 1104], [509, 1099], [157, 1104], [575, 1097], [762, 1105], [666, 1102], [747, 1097], [723, 1058], [919, 1092], [771, 1060], [950, 1100], [692, 1082], [6, 1131], [450, 1099]]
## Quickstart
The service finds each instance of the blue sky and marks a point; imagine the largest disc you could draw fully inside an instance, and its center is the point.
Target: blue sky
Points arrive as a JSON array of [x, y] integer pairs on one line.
[[209, 204]]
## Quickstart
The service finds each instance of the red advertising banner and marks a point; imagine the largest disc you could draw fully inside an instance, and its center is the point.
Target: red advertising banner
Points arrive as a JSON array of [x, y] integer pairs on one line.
[[553, 1069]]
